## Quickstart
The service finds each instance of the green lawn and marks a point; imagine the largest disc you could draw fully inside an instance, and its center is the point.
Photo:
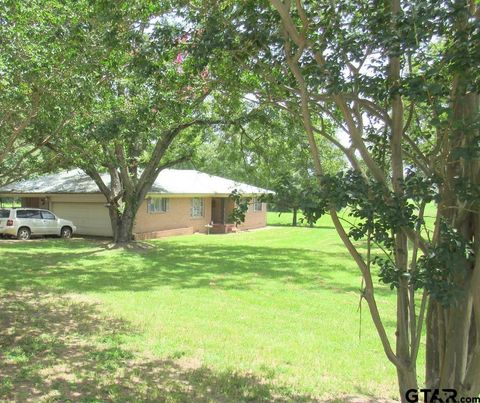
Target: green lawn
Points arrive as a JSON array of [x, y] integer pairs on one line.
[[259, 316]]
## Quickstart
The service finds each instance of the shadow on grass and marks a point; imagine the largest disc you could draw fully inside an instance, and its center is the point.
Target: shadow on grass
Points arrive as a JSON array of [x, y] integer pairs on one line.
[[57, 349], [88, 266]]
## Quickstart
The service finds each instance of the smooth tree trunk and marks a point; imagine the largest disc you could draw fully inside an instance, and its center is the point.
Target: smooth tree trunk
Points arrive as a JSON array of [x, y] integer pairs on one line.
[[294, 219]]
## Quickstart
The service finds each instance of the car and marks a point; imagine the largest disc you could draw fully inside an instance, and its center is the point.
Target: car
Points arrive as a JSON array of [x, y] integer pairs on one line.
[[24, 223]]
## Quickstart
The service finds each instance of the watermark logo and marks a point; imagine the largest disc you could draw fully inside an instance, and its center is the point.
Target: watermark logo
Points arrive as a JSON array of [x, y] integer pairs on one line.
[[437, 396]]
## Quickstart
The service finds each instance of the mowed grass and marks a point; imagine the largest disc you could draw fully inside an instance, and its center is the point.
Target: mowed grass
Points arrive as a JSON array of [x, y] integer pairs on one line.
[[265, 315]]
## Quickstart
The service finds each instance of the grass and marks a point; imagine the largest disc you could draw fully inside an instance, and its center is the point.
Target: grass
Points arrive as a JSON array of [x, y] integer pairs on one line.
[[285, 219], [258, 316]]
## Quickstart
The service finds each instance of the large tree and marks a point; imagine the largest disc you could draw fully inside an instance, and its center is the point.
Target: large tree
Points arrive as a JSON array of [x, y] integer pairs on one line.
[[146, 103], [401, 81]]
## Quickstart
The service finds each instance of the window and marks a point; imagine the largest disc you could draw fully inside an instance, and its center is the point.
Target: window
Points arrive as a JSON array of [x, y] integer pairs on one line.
[[257, 205], [4, 213], [159, 205], [29, 214], [46, 215], [197, 207]]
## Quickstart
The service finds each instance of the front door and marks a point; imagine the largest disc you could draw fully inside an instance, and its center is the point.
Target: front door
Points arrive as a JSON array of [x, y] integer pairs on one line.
[[218, 210]]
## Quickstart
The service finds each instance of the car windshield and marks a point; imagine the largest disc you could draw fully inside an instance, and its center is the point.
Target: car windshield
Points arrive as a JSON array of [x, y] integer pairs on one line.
[[4, 213]]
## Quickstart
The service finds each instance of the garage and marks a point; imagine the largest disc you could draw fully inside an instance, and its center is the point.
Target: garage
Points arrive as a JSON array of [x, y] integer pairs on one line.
[[90, 218]]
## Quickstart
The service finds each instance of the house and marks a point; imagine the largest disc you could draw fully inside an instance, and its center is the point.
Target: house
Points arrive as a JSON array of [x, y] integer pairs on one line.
[[180, 202]]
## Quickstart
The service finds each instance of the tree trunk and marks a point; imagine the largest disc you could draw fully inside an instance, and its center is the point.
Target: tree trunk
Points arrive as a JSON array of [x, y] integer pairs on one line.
[[294, 219], [434, 344], [452, 348], [122, 223], [407, 376], [453, 342], [407, 379]]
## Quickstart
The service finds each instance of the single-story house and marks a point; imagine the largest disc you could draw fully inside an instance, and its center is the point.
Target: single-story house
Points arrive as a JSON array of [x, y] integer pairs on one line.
[[180, 202]]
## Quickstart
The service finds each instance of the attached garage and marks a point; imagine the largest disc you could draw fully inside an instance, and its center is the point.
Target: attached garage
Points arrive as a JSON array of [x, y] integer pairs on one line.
[[90, 218]]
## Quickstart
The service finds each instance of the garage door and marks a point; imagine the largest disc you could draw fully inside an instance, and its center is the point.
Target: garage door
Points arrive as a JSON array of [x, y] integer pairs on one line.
[[90, 218]]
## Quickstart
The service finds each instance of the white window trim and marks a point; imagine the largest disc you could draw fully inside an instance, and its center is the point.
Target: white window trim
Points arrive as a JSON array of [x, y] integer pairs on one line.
[[192, 207], [255, 202], [154, 211]]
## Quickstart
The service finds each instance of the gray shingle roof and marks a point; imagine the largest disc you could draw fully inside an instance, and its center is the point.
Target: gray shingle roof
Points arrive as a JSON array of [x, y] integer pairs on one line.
[[170, 181]]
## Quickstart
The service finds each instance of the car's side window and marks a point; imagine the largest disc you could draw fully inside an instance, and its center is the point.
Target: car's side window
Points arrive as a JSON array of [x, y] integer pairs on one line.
[[46, 215], [29, 214]]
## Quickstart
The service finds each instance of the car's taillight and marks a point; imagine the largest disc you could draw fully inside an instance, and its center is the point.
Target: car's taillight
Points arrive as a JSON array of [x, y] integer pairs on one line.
[[9, 223]]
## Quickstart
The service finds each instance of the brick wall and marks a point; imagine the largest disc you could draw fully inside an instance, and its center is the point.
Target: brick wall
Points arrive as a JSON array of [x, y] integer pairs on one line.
[[254, 219], [177, 216]]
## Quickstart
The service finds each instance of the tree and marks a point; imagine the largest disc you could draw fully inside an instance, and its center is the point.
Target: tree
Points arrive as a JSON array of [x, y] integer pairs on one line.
[[38, 72], [146, 111], [269, 150], [289, 192], [380, 72]]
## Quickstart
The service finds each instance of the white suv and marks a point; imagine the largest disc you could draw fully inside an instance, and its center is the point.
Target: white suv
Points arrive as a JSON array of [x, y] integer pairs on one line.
[[26, 222]]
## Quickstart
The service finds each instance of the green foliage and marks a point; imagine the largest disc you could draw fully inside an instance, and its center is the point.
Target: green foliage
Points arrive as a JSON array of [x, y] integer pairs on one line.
[[390, 274], [240, 208], [292, 190], [270, 151], [445, 265], [379, 213], [40, 68], [439, 271], [146, 100], [421, 188]]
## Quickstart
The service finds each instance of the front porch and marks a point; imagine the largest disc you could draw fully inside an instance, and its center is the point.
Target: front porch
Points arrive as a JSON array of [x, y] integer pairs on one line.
[[222, 208]]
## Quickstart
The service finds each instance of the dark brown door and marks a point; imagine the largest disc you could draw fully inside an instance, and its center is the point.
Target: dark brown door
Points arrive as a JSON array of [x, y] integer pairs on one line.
[[218, 210]]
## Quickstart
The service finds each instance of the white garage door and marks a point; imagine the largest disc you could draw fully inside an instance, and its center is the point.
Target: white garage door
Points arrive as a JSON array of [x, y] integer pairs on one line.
[[90, 218]]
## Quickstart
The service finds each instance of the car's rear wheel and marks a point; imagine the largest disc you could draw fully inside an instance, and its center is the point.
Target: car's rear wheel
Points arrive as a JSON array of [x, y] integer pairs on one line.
[[24, 234], [66, 232]]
